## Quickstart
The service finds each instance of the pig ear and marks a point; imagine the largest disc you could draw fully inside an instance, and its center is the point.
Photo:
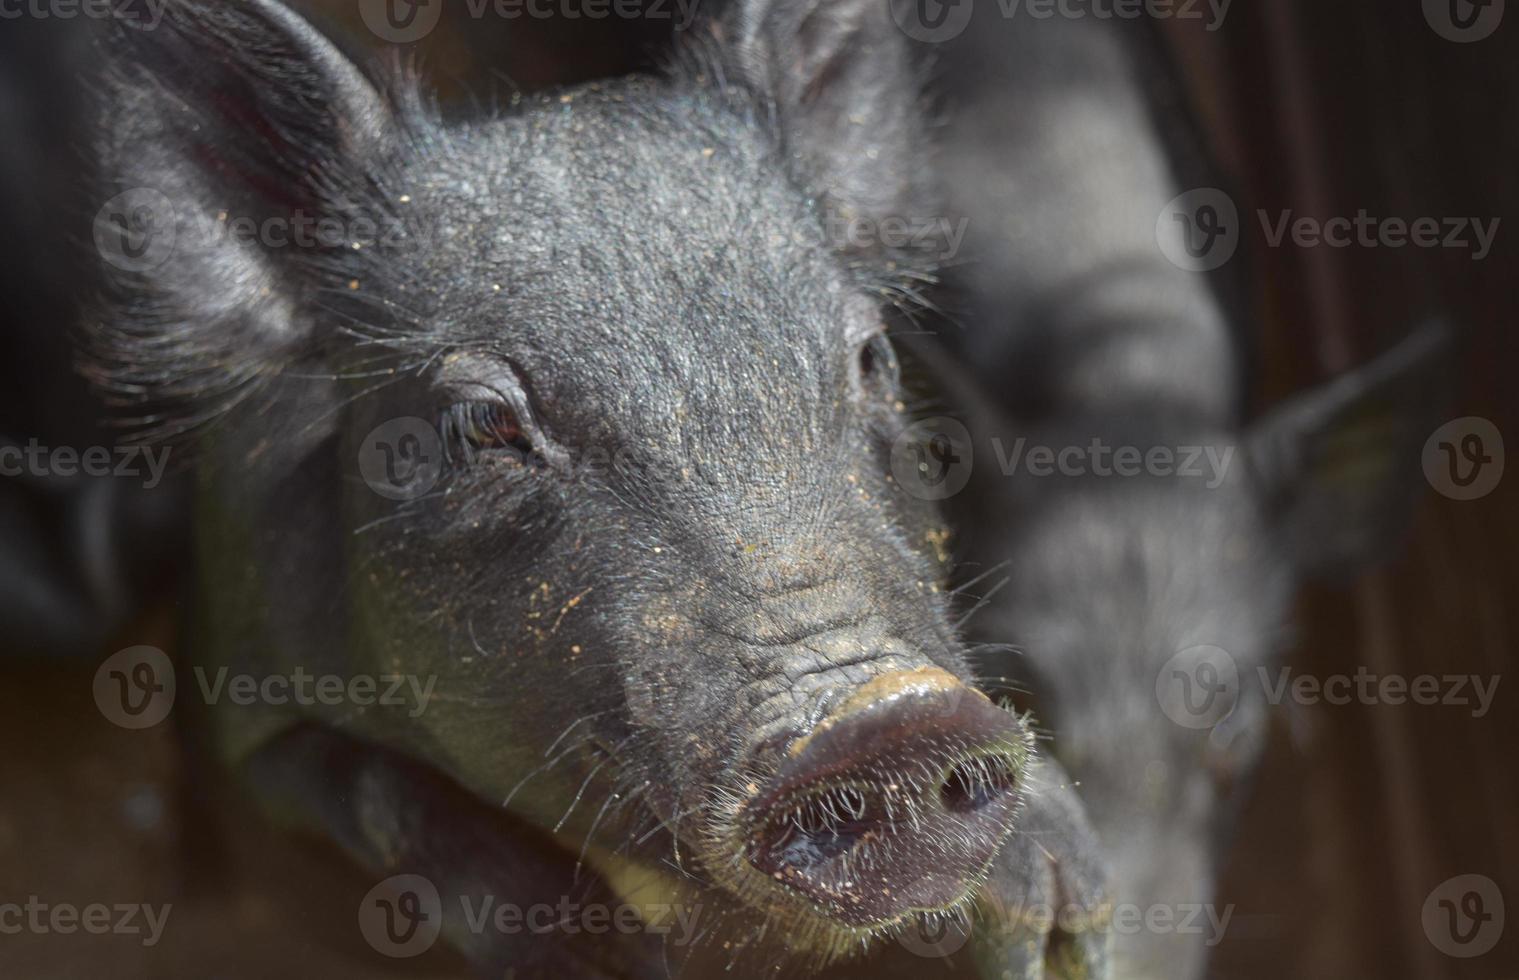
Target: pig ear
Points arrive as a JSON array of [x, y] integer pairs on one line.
[[1340, 465], [222, 116], [846, 95]]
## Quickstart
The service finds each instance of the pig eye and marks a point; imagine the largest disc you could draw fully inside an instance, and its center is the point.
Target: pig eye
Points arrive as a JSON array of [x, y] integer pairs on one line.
[[878, 363], [474, 428]]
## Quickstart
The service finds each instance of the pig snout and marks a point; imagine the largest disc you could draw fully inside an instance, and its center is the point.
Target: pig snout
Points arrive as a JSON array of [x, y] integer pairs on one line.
[[896, 801]]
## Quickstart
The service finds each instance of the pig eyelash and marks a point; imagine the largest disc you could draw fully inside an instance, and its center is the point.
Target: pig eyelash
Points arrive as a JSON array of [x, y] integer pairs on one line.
[[476, 428]]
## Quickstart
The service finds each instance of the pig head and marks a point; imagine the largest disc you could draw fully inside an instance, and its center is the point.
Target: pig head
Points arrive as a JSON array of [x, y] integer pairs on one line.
[[578, 415]]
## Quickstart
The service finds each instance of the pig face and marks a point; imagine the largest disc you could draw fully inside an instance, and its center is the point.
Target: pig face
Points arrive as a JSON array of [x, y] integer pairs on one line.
[[666, 587]]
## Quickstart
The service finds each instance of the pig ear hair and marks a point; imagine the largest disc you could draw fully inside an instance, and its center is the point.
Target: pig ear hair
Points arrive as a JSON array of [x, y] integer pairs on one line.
[[846, 93], [1340, 465], [224, 111]]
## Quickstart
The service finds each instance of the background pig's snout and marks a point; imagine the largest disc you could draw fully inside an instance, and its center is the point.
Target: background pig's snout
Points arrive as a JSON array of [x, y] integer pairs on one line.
[[897, 801]]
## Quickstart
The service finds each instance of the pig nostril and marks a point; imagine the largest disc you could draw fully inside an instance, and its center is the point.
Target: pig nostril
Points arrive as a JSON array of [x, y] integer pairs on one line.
[[820, 828], [973, 783], [830, 811]]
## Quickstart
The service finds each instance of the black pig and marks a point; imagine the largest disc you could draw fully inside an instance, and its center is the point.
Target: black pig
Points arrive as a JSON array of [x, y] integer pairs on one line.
[[675, 633], [1145, 591]]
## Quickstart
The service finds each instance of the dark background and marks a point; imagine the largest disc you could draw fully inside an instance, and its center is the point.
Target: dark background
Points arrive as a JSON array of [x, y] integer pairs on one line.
[[1362, 810], [1324, 108]]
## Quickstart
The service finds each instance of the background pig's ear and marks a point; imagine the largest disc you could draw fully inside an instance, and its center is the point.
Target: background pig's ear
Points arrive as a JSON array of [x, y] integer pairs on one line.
[[847, 96], [1340, 465], [222, 117]]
